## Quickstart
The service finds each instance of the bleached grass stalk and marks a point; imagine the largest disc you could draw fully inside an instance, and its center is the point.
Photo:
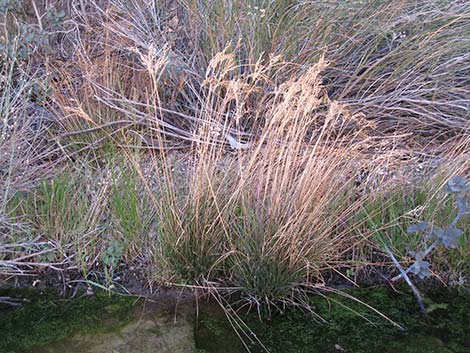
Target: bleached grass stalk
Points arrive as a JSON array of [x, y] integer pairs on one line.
[[266, 189], [268, 218], [294, 191]]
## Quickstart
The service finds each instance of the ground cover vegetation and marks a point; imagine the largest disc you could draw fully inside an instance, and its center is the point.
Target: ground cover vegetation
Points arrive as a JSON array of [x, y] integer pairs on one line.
[[355, 329], [268, 148]]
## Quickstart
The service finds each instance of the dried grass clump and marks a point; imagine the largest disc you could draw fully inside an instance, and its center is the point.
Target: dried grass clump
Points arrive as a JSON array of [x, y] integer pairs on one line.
[[289, 115], [296, 192], [405, 65], [24, 156], [137, 68], [90, 219], [270, 216], [24, 149]]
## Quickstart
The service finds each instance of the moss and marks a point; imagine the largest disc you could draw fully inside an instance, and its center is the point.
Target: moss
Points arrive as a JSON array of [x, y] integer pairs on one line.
[[445, 330], [214, 333], [45, 318]]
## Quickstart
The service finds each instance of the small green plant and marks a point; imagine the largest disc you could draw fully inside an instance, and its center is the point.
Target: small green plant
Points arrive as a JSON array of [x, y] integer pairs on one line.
[[436, 236], [30, 37], [113, 254], [112, 257]]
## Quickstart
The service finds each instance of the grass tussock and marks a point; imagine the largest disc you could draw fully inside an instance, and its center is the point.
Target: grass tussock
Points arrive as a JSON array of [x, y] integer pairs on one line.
[[256, 146]]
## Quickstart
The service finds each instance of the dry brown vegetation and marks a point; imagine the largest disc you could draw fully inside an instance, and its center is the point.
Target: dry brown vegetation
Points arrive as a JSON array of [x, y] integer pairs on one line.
[[246, 145]]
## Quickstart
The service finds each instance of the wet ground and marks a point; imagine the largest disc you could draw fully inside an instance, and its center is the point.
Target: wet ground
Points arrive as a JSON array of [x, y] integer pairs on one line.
[[45, 323], [350, 326], [98, 323]]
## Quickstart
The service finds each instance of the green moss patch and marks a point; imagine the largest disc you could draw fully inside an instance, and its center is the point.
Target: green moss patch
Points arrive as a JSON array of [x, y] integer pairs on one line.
[[445, 331], [45, 318]]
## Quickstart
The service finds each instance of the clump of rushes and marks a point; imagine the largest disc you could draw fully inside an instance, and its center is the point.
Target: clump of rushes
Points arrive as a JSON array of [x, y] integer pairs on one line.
[[190, 236]]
